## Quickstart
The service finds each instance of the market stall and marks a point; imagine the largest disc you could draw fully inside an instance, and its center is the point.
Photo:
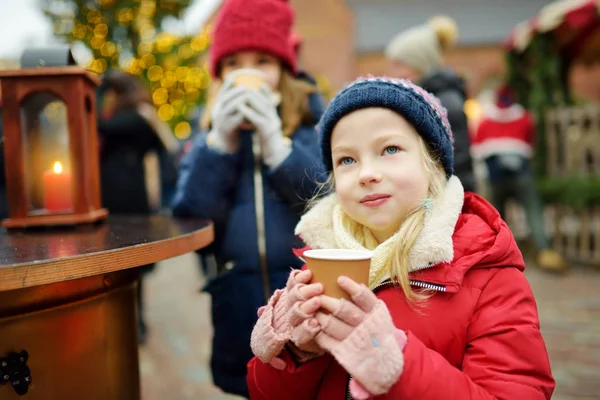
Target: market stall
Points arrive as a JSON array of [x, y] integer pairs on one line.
[[541, 53]]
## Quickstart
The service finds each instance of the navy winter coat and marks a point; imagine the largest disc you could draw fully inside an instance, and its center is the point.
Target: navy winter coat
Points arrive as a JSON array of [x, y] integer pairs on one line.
[[220, 187]]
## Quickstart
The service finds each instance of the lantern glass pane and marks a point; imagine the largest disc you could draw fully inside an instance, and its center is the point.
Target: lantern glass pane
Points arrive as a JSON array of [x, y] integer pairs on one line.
[[48, 178]]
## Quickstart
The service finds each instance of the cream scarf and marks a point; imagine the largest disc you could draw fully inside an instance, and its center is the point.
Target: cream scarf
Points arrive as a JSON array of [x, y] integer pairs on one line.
[[327, 226], [352, 235]]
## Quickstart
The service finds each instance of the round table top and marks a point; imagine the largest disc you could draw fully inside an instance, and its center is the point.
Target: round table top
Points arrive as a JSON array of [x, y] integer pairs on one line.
[[34, 257]]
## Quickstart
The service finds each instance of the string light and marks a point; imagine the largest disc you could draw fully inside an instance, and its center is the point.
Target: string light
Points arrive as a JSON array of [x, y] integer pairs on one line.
[[183, 130], [107, 49], [166, 112], [170, 64], [160, 96]]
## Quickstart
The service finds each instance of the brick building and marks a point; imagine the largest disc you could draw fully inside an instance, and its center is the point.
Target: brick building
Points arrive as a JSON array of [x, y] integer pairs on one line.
[[346, 38]]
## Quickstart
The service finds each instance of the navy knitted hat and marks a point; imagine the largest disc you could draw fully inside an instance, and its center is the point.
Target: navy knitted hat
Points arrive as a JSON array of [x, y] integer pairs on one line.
[[419, 107]]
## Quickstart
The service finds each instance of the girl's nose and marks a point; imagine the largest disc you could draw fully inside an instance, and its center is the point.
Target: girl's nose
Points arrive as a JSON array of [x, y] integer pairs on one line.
[[369, 174]]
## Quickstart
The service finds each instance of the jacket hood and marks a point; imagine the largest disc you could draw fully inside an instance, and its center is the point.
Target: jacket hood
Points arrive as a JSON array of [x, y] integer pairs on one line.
[[443, 80], [481, 240]]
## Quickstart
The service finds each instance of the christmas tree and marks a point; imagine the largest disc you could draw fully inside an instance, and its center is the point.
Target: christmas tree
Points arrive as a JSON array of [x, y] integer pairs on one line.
[[126, 35]]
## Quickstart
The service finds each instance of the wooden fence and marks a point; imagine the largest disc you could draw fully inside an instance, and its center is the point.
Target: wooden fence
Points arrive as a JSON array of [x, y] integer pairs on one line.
[[572, 148]]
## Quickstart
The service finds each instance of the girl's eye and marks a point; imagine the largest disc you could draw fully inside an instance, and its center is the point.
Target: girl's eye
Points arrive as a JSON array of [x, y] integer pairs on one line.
[[266, 61], [346, 161], [230, 63], [391, 150]]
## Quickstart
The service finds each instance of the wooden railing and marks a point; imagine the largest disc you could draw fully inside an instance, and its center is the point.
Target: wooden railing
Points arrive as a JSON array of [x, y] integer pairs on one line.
[[572, 149]]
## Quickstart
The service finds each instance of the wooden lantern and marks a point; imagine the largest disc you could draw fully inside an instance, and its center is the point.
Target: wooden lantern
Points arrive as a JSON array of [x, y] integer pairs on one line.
[[51, 147]]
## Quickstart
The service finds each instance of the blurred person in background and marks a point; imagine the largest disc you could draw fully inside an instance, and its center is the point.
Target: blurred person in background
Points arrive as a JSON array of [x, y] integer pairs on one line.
[[418, 54], [505, 140], [251, 173], [131, 139]]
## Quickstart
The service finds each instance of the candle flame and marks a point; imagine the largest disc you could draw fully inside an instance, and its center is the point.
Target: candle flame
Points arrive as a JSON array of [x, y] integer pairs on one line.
[[57, 167]]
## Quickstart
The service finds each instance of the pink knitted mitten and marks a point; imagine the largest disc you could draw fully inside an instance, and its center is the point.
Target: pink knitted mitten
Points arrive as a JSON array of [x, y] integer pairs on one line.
[[280, 321], [372, 353]]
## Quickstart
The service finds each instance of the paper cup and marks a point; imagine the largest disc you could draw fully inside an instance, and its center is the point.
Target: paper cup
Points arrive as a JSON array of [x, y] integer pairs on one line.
[[329, 264], [249, 80]]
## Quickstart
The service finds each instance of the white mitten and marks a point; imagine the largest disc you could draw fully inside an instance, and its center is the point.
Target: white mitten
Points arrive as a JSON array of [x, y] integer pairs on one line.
[[226, 117], [261, 111]]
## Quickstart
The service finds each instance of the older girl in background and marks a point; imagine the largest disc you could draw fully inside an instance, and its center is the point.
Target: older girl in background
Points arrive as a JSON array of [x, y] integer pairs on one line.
[[251, 172]]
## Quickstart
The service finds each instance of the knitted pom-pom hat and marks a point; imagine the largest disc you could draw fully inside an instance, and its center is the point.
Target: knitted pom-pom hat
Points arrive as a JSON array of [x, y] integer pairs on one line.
[[259, 25], [419, 107]]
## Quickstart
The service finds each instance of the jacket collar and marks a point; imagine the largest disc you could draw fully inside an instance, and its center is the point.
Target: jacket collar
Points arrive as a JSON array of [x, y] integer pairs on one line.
[[433, 246]]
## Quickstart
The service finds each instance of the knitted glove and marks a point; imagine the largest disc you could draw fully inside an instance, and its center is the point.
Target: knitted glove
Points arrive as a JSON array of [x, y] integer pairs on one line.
[[282, 320], [226, 116], [363, 339], [262, 113]]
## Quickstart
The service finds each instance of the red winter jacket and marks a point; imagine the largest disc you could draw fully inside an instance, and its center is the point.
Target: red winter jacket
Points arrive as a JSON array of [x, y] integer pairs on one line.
[[478, 337]]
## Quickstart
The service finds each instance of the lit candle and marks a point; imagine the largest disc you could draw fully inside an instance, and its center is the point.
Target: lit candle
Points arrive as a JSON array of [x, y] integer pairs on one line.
[[57, 189]]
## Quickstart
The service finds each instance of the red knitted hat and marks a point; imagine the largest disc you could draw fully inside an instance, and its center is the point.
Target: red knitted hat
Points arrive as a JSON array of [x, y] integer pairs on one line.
[[260, 25]]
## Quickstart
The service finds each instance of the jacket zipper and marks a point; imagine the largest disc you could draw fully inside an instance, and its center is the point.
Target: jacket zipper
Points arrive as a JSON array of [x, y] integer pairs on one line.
[[421, 284], [348, 395], [259, 205]]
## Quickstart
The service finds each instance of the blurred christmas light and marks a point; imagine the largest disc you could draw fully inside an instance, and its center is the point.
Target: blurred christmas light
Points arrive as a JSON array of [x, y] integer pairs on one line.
[[176, 95], [166, 112], [94, 16], [154, 73], [145, 48], [181, 73], [107, 49], [101, 30], [148, 60], [96, 42], [160, 96], [125, 15], [183, 130], [168, 79], [125, 34], [185, 51], [473, 110], [199, 43], [79, 31]]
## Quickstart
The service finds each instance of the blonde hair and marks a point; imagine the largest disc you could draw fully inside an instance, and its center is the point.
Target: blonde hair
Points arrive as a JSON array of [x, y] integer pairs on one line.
[[411, 227], [294, 108]]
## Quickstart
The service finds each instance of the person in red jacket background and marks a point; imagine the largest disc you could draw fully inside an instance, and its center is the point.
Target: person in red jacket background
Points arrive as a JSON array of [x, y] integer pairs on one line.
[[505, 140], [448, 312]]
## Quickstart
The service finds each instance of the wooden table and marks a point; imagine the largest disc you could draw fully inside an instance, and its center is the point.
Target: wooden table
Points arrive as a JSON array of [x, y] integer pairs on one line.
[[67, 298]]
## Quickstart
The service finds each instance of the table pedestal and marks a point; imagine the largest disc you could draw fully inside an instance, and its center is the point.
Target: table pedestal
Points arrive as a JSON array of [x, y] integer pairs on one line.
[[81, 337]]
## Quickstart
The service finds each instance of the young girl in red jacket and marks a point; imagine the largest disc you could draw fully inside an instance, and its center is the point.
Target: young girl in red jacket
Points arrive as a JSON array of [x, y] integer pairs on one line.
[[447, 314]]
